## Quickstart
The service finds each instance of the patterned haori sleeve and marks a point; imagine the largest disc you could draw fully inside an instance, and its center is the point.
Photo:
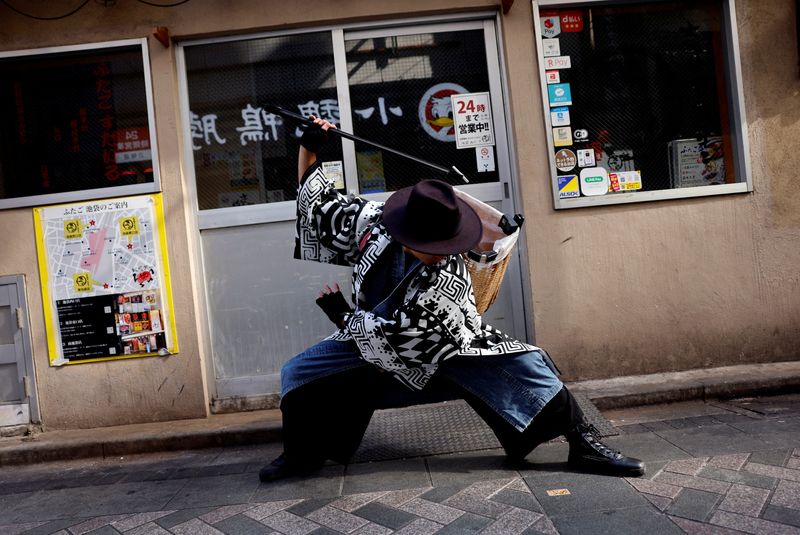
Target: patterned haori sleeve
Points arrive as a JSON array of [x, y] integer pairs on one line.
[[427, 329], [329, 224]]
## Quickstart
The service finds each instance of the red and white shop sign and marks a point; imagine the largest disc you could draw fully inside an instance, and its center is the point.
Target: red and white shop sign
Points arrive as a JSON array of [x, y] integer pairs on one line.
[[571, 21], [132, 145]]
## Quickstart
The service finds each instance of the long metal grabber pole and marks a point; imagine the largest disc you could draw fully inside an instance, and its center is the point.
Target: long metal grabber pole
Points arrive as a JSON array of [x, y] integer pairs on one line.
[[308, 122]]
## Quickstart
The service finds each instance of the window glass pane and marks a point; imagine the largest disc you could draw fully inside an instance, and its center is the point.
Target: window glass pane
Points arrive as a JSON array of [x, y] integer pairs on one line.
[[73, 121], [242, 154], [638, 90], [400, 91], [8, 323], [9, 383]]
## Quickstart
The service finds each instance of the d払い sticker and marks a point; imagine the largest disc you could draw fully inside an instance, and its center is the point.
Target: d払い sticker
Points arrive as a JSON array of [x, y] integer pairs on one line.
[[562, 136], [571, 21], [552, 77], [566, 160]]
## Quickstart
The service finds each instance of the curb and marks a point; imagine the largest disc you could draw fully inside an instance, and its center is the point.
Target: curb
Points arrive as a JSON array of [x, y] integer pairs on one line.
[[705, 392], [260, 428], [711, 383], [29, 451]]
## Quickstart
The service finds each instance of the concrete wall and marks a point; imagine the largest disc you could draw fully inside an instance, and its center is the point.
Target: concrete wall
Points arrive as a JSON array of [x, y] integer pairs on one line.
[[707, 282]]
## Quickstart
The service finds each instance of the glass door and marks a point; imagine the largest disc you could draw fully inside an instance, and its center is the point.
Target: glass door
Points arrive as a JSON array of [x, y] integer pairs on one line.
[[391, 85]]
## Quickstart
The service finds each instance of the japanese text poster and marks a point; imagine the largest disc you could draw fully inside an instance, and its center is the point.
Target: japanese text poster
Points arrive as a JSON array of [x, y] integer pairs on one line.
[[105, 280]]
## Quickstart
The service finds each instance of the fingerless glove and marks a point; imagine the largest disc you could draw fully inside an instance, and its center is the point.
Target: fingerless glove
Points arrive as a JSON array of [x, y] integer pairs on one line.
[[335, 306], [313, 138]]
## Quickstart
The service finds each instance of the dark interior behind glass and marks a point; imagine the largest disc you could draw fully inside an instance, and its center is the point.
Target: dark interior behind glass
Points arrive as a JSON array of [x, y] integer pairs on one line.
[[647, 81], [73, 121]]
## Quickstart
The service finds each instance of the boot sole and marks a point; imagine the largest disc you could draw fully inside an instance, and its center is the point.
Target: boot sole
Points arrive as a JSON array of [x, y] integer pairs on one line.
[[606, 469]]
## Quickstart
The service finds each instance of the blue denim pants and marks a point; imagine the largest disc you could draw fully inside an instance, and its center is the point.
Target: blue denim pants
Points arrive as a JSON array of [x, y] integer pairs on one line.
[[515, 387]]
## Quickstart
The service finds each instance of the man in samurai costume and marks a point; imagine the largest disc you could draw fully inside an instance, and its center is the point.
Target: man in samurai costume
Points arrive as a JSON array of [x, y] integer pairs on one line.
[[414, 322]]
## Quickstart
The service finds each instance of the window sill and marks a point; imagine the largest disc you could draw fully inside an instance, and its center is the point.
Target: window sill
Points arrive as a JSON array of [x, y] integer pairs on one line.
[[646, 196]]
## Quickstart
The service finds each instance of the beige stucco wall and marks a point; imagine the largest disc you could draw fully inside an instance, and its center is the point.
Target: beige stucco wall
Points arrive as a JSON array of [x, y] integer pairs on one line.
[[691, 283], [681, 284]]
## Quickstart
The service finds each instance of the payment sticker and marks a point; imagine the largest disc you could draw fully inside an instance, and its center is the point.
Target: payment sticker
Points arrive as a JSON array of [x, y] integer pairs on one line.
[[562, 136], [594, 181]]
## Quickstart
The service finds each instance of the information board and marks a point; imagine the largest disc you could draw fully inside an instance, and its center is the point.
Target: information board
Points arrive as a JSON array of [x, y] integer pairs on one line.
[[696, 162], [105, 280], [472, 120]]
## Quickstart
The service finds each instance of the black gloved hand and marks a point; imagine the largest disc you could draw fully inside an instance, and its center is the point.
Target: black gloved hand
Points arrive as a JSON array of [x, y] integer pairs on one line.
[[313, 138], [335, 306]]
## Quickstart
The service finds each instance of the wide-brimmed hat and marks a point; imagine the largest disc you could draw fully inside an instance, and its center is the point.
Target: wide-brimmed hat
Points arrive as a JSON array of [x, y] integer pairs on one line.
[[428, 217]]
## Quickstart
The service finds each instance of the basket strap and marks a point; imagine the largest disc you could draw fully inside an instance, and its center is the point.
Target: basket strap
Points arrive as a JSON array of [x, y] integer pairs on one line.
[[508, 227]]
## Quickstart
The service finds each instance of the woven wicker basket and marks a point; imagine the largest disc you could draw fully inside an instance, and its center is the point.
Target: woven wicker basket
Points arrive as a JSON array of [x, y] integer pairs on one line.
[[486, 281], [487, 263]]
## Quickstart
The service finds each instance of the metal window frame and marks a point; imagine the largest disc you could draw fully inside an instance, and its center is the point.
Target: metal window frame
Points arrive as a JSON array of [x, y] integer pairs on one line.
[[285, 210], [736, 111], [97, 193]]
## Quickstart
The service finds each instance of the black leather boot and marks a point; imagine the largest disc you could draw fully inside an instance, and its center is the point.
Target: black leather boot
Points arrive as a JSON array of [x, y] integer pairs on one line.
[[282, 468], [588, 454]]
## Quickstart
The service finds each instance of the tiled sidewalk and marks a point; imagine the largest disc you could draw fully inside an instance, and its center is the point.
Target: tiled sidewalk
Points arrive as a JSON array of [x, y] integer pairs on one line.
[[712, 468]]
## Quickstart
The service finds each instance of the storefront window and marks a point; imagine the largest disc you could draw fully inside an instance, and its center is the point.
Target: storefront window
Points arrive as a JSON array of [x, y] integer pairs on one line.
[[244, 155], [400, 88], [640, 98], [75, 124]]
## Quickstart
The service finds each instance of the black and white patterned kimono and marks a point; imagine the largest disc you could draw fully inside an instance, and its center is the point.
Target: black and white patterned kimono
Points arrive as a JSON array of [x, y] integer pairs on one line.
[[424, 321]]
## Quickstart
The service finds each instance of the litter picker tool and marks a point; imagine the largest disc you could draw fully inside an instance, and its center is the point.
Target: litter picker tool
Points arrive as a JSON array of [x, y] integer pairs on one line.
[[452, 172]]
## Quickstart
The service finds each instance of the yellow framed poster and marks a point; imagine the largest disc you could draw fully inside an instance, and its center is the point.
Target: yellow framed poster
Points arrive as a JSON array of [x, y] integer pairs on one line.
[[105, 280]]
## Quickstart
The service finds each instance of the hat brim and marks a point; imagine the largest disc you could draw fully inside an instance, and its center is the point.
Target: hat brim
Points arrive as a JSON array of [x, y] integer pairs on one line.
[[467, 236]]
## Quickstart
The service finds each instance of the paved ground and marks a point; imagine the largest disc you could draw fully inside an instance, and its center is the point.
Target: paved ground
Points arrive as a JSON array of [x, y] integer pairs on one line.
[[712, 468]]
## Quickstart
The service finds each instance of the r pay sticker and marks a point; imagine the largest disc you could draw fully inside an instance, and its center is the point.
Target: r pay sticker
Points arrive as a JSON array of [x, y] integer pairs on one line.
[[559, 62]]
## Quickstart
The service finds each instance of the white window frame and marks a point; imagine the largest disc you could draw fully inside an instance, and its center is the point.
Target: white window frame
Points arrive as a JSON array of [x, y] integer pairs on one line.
[[97, 193], [739, 137], [286, 210]]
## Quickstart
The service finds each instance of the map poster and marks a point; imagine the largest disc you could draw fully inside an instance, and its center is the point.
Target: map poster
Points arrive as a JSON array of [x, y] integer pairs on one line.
[[105, 280]]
